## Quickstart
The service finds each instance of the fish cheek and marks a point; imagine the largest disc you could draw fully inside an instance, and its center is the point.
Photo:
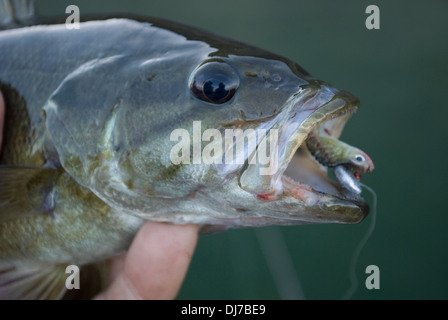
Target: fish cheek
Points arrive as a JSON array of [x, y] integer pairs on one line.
[[81, 112]]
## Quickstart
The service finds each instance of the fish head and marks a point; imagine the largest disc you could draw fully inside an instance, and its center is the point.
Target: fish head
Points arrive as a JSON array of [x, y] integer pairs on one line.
[[209, 132], [279, 181], [244, 123]]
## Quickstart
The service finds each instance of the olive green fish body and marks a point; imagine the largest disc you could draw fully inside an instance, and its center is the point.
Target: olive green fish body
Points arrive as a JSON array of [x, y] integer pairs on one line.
[[59, 221]]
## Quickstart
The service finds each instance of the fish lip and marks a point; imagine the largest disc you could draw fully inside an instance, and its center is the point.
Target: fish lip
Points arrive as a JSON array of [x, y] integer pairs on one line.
[[335, 111]]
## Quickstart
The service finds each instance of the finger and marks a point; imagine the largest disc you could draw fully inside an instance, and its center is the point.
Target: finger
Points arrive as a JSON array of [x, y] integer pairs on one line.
[[2, 115], [156, 263], [116, 266]]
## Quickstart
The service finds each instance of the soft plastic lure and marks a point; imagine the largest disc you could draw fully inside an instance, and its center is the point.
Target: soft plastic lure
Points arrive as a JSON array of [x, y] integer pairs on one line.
[[348, 162]]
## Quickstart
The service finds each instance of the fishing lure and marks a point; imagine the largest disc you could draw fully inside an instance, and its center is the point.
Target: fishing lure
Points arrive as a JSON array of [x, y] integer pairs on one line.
[[348, 162]]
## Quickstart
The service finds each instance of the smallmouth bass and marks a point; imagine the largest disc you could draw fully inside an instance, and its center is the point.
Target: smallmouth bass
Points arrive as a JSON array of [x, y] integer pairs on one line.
[[86, 154]]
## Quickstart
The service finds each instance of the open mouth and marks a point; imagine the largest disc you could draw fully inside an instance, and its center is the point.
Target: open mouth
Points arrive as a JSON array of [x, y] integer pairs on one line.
[[305, 171], [301, 173]]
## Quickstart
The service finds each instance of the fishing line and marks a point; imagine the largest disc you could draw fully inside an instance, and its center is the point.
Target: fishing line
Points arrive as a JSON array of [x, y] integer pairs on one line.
[[356, 254], [280, 263]]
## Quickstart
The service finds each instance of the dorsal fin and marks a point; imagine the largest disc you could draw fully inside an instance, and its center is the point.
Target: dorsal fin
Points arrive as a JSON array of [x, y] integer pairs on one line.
[[16, 13]]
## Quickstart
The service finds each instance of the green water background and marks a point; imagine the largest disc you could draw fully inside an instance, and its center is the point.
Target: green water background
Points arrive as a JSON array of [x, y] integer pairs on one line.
[[400, 74]]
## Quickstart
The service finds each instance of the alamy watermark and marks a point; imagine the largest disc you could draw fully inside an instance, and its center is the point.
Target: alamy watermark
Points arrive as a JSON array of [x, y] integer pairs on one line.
[[72, 281], [373, 20], [250, 145], [373, 280], [72, 21]]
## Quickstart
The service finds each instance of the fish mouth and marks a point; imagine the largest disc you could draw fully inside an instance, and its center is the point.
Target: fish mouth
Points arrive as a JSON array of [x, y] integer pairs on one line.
[[296, 177]]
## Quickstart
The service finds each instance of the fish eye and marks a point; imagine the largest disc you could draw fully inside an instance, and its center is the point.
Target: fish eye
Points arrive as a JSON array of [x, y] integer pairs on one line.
[[214, 82], [359, 158]]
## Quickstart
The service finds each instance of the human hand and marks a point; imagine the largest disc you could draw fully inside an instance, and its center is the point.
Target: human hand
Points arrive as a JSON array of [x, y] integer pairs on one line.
[[156, 263]]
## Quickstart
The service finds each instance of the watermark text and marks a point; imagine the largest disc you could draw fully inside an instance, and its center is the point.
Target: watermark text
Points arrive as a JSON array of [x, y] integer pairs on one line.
[[236, 147]]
